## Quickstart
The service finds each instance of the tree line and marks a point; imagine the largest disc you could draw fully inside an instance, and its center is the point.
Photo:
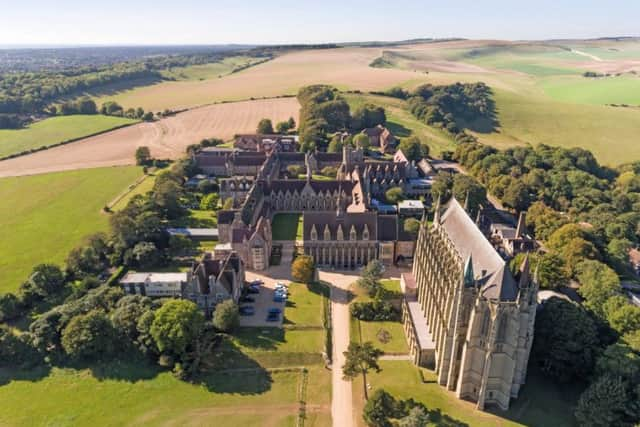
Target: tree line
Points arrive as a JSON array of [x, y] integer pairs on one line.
[[588, 218], [90, 319]]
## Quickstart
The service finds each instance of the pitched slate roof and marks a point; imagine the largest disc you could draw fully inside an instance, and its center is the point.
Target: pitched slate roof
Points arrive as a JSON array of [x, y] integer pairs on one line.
[[387, 227], [497, 282], [226, 216], [357, 220]]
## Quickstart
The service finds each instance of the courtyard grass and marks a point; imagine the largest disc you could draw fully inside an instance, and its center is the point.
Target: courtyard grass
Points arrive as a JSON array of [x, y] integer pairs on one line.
[[287, 226], [55, 130], [44, 216], [388, 336], [541, 403], [123, 393]]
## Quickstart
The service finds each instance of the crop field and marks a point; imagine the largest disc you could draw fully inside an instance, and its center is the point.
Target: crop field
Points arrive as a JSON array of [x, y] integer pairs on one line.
[[137, 394], [540, 94], [43, 217], [55, 130], [167, 138], [346, 68]]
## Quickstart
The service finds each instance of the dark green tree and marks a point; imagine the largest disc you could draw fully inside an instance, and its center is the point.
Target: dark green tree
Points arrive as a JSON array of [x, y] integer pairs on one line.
[[226, 318]]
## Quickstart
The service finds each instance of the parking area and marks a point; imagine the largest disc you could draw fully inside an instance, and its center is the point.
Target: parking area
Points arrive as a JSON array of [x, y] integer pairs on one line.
[[264, 301]]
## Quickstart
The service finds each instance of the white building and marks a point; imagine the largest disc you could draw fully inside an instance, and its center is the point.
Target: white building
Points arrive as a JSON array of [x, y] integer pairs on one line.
[[154, 284]]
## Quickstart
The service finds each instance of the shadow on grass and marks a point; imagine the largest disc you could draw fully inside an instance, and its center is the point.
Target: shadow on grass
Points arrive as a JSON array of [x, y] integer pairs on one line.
[[229, 370], [260, 339], [442, 420], [398, 130], [9, 374]]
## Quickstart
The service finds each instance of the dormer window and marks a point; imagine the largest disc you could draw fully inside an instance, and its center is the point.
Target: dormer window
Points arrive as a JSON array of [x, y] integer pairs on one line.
[[340, 233], [365, 233], [327, 233], [352, 233], [314, 233]]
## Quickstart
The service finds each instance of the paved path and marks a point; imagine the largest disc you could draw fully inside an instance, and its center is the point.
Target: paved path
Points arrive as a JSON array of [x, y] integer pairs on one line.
[[342, 397]]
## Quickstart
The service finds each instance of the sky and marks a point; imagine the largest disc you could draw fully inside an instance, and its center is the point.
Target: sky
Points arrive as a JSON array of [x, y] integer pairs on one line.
[[145, 22]]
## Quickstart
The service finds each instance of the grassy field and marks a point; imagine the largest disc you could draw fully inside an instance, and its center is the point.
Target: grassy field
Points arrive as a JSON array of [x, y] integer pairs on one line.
[[256, 377], [209, 71], [55, 130], [142, 187], [598, 91], [137, 394], [45, 216], [388, 336], [287, 227], [540, 403]]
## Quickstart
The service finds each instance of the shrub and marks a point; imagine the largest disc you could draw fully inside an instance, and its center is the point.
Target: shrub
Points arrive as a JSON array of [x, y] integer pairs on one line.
[[374, 311]]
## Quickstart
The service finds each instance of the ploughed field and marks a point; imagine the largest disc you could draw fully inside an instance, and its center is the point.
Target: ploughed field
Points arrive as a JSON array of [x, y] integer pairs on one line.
[[167, 138]]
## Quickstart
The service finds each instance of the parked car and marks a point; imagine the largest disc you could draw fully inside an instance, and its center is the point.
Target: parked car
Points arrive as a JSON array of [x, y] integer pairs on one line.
[[253, 290], [247, 310], [281, 285], [279, 298], [256, 282], [247, 299], [275, 310], [273, 317]]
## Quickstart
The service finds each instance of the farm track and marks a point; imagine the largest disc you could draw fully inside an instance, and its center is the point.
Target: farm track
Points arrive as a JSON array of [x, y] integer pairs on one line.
[[167, 138]]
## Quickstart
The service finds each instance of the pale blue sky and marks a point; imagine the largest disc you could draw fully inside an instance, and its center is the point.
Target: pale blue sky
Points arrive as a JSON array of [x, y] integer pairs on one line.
[[287, 21]]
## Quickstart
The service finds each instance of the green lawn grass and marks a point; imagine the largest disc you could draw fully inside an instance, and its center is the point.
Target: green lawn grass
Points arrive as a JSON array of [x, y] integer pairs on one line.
[[540, 403], [304, 305], [287, 226], [596, 91], [44, 216], [396, 344], [55, 130], [137, 394], [133, 190]]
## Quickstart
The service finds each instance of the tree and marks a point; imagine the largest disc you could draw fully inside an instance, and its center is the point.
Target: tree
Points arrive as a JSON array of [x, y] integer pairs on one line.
[[411, 226], [360, 359], [394, 195], [620, 360], [417, 417], [209, 202], [295, 170], [265, 127], [367, 116], [176, 325], [623, 316], [603, 404], [568, 352], [362, 141], [329, 171], [10, 307], [516, 196], [226, 318], [166, 197], [143, 156], [86, 105], [291, 123], [303, 269], [467, 189], [127, 314], [16, 350], [282, 127], [379, 408], [413, 148], [551, 271], [228, 203], [111, 108], [88, 336], [598, 283], [45, 280], [207, 186], [146, 254]]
